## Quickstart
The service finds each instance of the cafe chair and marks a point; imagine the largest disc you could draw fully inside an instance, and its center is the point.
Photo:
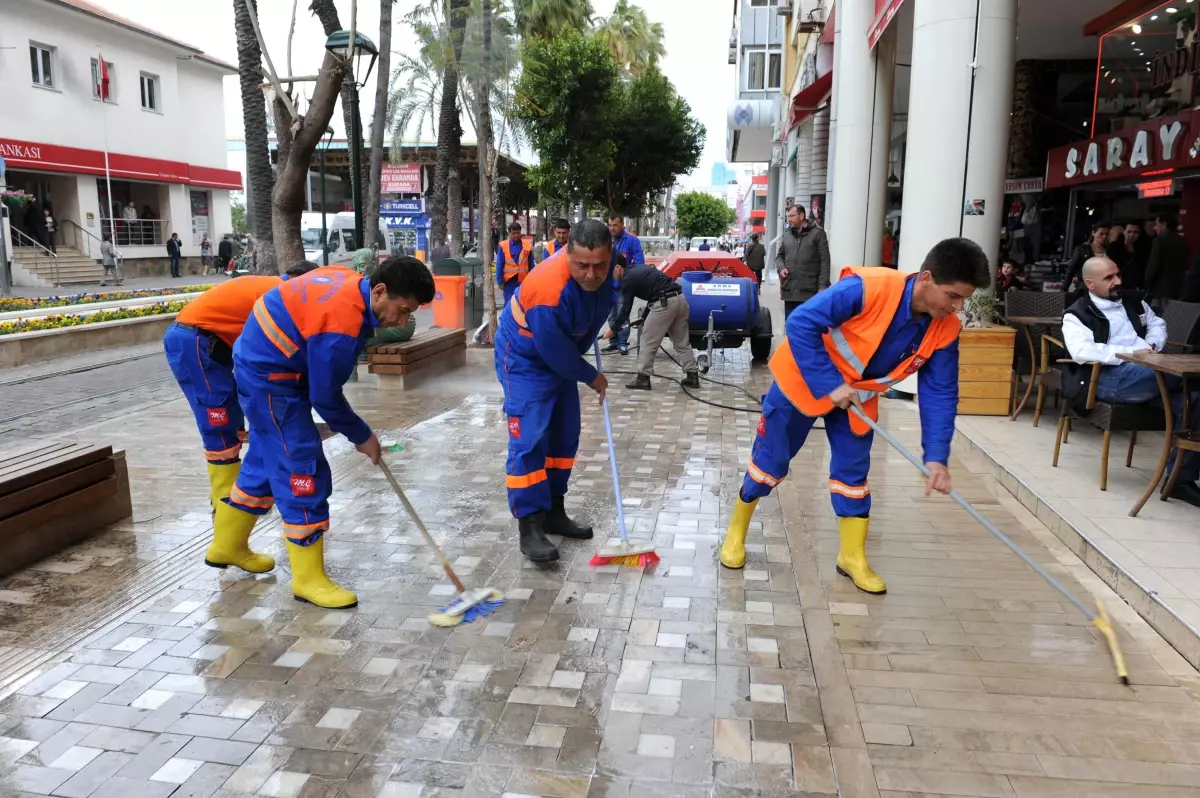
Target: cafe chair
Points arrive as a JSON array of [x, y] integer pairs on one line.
[[1040, 304]]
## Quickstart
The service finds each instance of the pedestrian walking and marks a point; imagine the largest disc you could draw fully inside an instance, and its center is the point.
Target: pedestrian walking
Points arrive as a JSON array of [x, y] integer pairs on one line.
[[51, 228], [224, 254], [756, 259], [206, 256], [802, 260], [173, 251], [110, 260]]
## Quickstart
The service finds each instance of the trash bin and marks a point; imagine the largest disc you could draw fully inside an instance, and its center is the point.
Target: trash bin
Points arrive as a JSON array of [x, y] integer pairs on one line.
[[449, 301], [476, 291], [449, 266]]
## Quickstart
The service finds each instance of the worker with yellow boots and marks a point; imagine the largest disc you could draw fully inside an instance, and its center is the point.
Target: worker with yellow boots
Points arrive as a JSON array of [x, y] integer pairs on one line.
[[199, 349], [299, 347], [845, 346]]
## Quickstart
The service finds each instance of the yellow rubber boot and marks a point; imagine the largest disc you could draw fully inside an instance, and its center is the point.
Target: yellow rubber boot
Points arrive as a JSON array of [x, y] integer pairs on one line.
[[309, 582], [220, 481], [733, 550], [231, 542], [852, 556]]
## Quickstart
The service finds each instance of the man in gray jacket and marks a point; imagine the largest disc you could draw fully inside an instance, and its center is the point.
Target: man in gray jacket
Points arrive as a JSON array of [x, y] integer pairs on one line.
[[802, 260]]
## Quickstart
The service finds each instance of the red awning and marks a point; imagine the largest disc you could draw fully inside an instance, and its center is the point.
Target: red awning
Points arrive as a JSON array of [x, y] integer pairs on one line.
[[884, 11], [810, 99]]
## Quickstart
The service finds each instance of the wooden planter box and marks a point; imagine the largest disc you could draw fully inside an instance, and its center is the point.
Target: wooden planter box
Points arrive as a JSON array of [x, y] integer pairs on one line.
[[985, 357]]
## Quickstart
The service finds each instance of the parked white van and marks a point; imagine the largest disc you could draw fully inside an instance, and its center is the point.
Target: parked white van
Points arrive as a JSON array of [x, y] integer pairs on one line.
[[339, 235]]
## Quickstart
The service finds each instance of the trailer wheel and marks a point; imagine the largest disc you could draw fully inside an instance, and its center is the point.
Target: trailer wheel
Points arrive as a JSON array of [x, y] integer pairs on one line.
[[702, 363], [760, 348]]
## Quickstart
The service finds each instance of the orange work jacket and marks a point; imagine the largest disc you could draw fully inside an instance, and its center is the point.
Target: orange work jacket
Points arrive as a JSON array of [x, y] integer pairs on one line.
[[223, 309], [852, 345]]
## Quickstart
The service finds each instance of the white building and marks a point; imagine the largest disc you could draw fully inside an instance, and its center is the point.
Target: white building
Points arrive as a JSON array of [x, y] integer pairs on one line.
[[163, 127]]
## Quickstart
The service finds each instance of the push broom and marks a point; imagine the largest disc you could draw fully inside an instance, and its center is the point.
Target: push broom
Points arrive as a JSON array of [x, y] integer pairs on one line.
[[634, 555], [468, 605], [1098, 617]]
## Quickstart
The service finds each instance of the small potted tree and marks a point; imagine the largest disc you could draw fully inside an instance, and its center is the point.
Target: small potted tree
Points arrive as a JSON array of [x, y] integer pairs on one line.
[[985, 359]]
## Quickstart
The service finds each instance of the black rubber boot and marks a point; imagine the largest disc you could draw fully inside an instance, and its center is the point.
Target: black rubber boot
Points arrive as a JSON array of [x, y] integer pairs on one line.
[[691, 380], [557, 522], [534, 544], [640, 383]]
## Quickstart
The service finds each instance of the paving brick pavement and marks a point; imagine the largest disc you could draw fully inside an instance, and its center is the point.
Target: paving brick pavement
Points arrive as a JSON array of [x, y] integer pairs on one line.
[[129, 669]]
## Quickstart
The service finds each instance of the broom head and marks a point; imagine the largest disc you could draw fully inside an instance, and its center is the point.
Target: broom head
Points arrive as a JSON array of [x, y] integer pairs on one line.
[[631, 555], [467, 607]]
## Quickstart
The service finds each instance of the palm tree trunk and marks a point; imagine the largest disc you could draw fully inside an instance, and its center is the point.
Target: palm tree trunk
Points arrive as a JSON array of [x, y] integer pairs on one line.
[[486, 165], [378, 122], [254, 114], [449, 129], [454, 204]]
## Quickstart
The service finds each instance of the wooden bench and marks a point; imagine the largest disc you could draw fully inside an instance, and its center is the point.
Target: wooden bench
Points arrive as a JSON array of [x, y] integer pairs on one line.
[[55, 494], [428, 353]]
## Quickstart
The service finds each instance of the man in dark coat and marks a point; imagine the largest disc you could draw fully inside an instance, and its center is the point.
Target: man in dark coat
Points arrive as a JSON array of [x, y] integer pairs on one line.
[[1168, 262], [802, 260], [756, 259]]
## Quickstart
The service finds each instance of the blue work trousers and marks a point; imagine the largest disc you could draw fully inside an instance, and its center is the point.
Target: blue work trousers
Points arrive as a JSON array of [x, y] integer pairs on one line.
[[510, 288], [1134, 384], [210, 391], [621, 339], [286, 464], [542, 413], [781, 433]]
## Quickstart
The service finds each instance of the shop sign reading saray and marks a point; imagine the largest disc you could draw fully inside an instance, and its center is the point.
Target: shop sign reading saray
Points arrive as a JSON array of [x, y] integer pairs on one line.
[[1162, 144]]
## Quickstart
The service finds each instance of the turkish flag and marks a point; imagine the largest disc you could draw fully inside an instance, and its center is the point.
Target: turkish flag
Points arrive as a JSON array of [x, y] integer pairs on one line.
[[102, 79]]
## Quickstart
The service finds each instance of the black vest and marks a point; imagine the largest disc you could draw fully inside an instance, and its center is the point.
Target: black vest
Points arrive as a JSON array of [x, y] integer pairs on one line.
[[1076, 376]]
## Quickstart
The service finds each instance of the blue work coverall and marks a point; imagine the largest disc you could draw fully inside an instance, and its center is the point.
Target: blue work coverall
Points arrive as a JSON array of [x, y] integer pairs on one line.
[[541, 343], [515, 251], [298, 349], [783, 429], [630, 246]]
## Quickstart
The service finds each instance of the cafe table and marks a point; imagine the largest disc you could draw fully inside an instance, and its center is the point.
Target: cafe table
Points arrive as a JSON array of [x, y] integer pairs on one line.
[[1186, 367], [1027, 323]]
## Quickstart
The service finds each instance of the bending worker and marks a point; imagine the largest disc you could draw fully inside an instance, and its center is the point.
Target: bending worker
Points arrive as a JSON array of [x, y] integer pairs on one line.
[[896, 324], [199, 347], [562, 229], [298, 349], [541, 342], [666, 315], [514, 262]]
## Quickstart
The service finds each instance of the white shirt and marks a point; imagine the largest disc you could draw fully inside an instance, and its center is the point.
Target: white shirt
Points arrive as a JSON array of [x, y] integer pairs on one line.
[[1122, 339]]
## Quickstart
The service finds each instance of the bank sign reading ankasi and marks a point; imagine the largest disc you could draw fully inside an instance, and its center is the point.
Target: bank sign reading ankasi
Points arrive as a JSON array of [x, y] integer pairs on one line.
[[1156, 145]]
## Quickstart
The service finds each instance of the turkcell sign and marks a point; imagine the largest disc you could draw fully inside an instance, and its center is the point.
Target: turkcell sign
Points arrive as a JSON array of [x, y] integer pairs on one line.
[[398, 207]]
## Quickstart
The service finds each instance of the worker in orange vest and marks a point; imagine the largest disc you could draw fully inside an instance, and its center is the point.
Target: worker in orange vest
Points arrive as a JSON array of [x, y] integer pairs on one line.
[[514, 261], [845, 346], [562, 232], [199, 347]]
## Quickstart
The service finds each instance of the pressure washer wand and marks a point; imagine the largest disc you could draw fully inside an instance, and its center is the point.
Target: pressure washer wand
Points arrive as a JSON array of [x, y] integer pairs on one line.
[[1099, 617]]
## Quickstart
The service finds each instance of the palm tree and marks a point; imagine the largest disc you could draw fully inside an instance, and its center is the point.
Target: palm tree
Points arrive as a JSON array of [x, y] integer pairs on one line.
[[260, 176], [414, 96], [378, 123], [541, 19], [636, 42], [449, 144]]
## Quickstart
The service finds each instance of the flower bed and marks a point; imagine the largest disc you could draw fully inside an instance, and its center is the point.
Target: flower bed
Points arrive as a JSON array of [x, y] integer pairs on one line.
[[59, 321], [21, 303]]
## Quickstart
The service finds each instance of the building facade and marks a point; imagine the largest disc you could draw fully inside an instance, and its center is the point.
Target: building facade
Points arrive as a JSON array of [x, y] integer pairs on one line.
[[162, 127]]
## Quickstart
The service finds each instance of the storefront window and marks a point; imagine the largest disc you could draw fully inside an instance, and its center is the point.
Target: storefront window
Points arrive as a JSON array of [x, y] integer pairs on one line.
[[1147, 68]]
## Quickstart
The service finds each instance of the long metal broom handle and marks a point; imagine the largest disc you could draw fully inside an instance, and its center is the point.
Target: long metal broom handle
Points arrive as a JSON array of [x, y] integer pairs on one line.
[[988, 525], [416, 519], [612, 452]]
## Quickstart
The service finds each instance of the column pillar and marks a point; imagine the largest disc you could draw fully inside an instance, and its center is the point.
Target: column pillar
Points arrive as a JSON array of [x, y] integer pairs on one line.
[[858, 86], [881, 144], [958, 123]]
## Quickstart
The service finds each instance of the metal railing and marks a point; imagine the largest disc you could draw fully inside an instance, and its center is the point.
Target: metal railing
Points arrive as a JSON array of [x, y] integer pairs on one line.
[[74, 236], [25, 245], [136, 232]]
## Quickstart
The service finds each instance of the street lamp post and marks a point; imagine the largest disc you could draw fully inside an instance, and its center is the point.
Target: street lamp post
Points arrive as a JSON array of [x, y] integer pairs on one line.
[[339, 44], [324, 232]]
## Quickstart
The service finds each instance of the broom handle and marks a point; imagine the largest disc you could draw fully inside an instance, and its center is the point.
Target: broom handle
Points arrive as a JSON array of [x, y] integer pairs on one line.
[[988, 525], [612, 453], [412, 512]]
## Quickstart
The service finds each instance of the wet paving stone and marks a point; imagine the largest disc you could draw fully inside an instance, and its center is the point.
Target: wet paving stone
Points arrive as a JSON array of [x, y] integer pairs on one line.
[[128, 668]]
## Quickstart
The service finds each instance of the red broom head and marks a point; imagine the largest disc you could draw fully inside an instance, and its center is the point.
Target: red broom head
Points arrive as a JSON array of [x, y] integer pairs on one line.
[[629, 560]]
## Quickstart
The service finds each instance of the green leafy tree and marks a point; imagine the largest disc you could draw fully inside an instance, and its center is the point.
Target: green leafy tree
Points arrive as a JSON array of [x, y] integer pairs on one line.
[[543, 19], [563, 99], [656, 138], [700, 214], [635, 42], [237, 213]]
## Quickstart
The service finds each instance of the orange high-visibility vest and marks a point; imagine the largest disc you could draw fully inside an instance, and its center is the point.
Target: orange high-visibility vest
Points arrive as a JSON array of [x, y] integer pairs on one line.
[[520, 269], [552, 247], [852, 345]]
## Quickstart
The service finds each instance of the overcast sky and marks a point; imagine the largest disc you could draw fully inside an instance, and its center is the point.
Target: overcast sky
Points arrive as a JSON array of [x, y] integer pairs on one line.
[[697, 33]]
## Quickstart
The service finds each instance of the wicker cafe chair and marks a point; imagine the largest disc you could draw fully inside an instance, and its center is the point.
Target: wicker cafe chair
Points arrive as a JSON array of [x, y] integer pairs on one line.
[[1044, 304], [1182, 319]]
